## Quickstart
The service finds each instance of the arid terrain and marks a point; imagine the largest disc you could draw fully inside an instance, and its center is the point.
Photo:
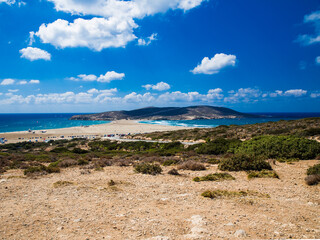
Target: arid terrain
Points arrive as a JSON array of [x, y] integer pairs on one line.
[[138, 206]]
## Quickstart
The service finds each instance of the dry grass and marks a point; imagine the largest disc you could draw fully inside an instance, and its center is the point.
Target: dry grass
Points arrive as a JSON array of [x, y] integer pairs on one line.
[[62, 184], [232, 194], [214, 177], [262, 174]]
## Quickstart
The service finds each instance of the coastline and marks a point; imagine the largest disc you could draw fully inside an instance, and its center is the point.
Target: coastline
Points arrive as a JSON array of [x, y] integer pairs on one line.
[[93, 131]]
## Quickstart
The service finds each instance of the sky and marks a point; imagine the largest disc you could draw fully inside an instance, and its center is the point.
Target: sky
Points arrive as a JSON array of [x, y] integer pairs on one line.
[[102, 55]]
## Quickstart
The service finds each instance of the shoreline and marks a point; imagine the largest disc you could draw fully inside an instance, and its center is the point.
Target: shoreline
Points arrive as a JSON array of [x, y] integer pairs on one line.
[[119, 127]]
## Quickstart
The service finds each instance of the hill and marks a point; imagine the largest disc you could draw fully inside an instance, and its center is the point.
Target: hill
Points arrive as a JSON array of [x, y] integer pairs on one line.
[[166, 113]]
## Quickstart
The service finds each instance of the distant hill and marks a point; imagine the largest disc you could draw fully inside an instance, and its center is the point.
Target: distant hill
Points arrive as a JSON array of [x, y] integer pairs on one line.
[[166, 113]]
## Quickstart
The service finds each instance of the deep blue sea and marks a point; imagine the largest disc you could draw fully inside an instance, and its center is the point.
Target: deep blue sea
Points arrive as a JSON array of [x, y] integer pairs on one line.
[[263, 117], [24, 122]]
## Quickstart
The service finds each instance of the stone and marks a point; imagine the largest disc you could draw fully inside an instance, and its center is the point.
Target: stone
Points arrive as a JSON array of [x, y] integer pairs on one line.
[[240, 233]]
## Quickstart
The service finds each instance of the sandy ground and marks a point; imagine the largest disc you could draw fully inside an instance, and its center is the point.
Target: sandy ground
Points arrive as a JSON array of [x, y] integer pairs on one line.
[[116, 127], [157, 207]]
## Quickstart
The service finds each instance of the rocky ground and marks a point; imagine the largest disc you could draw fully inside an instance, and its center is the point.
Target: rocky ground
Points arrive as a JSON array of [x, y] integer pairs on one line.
[[157, 207]]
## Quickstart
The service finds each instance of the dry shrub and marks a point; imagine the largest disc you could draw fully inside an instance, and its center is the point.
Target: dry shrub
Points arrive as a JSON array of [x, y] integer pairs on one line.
[[122, 162], [192, 165], [174, 172], [102, 162], [312, 179], [67, 163]]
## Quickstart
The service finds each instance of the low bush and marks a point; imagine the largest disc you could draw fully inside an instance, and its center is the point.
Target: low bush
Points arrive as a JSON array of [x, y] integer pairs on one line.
[[173, 172], [214, 161], [243, 162], [192, 165], [62, 184], [218, 146], [214, 177], [79, 151], [232, 194], [170, 162], [262, 174], [314, 170], [147, 168], [312, 179], [280, 147]]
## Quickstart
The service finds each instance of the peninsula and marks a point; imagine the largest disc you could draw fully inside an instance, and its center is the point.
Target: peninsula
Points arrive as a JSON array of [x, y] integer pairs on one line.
[[166, 113]]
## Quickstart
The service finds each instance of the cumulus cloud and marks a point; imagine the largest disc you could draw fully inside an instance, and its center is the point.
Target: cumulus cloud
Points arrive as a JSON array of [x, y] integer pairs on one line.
[[24, 82], [161, 86], [106, 78], [124, 9], [318, 60], [12, 2], [32, 54], [7, 81], [13, 90], [308, 39], [113, 25], [148, 41], [96, 33], [295, 92], [244, 95], [315, 95], [215, 64]]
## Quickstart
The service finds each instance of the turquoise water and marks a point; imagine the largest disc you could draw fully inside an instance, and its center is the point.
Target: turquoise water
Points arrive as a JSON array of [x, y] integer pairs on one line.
[[24, 122], [207, 123]]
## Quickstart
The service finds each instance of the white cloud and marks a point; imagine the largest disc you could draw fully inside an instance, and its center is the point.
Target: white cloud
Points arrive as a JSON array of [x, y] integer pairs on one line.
[[22, 82], [7, 81], [315, 95], [110, 76], [115, 26], [307, 39], [124, 9], [34, 81], [106, 78], [161, 86], [244, 95], [215, 64], [295, 92], [13, 90], [144, 42], [134, 97], [11, 2], [96, 33], [32, 54], [318, 60]]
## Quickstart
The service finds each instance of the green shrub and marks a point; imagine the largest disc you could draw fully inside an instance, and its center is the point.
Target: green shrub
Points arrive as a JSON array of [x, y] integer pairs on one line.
[[214, 161], [314, 170], [34, 169], [82, 162], [262, 174], [79, 151], [170, 162], [59, 150], [280, 147], [232, 194], [147, 168], [214, 177], [243, 162], [218, 146]]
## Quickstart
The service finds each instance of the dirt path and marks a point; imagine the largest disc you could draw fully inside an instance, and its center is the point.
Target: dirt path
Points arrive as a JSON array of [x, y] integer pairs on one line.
[[157, 207]]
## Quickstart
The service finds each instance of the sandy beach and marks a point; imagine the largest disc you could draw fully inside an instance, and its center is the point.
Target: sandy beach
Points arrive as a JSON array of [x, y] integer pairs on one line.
[[91, 132]]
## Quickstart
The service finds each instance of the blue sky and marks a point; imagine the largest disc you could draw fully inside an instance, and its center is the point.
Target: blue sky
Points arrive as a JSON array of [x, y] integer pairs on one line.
[[101, 55]]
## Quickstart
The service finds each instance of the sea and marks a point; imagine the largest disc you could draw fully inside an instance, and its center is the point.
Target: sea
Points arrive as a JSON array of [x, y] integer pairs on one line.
[[209, 123], [40, 121], [37, 121]]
